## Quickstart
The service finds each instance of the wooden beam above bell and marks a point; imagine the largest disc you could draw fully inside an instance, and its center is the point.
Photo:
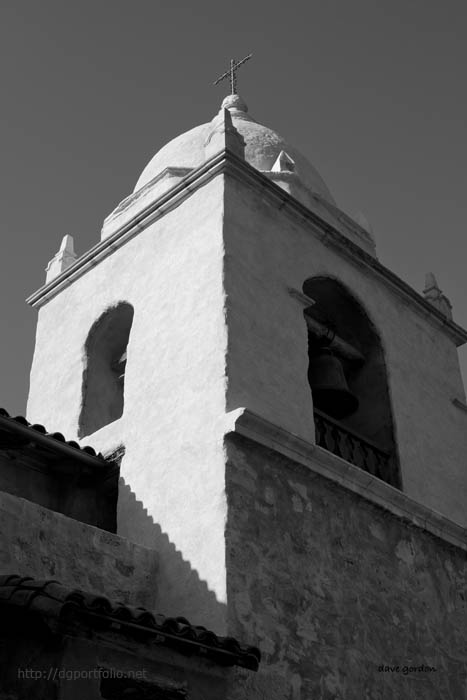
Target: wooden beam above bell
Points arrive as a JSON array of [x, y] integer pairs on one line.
[[339, 345]]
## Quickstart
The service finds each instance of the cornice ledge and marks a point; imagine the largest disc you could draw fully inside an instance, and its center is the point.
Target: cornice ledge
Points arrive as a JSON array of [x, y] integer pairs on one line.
[[318, 460], [171, 171], [142, 218], [331, 236], [229, 163]]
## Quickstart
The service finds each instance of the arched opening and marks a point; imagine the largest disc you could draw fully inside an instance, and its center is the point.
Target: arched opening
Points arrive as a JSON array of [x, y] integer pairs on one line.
[[348, 380], [104, 373]]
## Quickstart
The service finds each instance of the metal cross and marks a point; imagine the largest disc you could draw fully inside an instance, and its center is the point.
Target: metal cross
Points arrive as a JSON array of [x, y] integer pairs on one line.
[[232, 73]]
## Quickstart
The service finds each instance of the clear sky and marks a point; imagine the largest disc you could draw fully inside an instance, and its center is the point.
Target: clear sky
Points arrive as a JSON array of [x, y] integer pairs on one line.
[[372, 92]]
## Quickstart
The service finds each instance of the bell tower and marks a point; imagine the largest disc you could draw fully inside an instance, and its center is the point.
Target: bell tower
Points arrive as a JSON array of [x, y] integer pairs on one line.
[[233, 328]]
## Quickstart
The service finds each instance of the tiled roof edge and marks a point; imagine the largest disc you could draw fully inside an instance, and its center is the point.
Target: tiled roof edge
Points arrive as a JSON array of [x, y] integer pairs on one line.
[[58, 437], [49, 598]]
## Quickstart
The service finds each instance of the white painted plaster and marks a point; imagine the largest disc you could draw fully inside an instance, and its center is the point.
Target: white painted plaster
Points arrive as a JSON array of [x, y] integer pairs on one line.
[[174, 402], [262, 148], [268, 252], [125, 212], [62, 260], [176, 273]]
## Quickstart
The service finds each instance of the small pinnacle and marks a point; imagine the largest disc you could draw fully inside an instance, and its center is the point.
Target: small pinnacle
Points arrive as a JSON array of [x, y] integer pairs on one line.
[[362, 221], [430, 281], [224, 117], [67, 245], [283, 163], [434, 295], [62, 259], [223, 135]]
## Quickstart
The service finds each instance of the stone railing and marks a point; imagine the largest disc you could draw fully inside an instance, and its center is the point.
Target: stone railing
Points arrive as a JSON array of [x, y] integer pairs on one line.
[[361, 452]]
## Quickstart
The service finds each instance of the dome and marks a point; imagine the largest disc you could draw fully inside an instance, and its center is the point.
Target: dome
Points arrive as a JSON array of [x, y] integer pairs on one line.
[[262, 148]]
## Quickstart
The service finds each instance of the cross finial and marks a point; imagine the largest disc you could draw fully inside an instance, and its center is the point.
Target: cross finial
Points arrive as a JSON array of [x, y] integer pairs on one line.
[[232, 73]]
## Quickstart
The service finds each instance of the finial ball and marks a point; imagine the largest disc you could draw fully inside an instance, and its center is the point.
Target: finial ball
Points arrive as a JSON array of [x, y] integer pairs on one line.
[[234, 102]]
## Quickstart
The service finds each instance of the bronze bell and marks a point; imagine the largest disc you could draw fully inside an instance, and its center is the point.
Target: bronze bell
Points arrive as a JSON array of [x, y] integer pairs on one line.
[[329, 387]]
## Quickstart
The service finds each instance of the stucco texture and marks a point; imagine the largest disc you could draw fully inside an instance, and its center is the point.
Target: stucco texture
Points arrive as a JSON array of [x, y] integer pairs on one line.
[[174, 394], [332, 588], [262, 147], [268, 252], [215, 328]]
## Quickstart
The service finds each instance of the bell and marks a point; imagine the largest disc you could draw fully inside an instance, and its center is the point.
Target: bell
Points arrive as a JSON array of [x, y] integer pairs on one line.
[[329, 387]]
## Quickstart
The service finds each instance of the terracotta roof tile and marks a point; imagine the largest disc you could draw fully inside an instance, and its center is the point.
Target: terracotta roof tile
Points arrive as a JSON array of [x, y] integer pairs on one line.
[[53, 436], [51, 599]]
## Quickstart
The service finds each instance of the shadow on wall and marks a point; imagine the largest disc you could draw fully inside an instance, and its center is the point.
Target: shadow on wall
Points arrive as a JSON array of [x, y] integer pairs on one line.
[[348, 376], [104, 372], [180, 591]]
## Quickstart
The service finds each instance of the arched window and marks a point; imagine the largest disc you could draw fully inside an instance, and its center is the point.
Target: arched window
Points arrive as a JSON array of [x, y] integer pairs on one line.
[[348, 380], [104, 373]]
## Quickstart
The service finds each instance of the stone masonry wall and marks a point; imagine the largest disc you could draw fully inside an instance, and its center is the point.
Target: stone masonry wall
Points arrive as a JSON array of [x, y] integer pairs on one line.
[[332, 588], [38, 542]]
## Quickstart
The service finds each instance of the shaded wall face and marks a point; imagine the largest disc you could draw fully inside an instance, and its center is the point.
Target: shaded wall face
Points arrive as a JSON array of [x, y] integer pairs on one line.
[[103, 376], [269, 252], [61, 490], [339, 310], [332, 588], [37, 542], [30, 483], [173, 418], [39, 665]]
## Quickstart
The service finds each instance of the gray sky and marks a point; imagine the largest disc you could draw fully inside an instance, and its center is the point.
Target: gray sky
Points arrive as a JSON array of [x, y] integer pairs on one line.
[[372, 92]]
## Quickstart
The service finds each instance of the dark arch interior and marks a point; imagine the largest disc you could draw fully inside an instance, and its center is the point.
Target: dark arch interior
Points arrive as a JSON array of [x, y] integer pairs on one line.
[[337, 309], [103, 378]]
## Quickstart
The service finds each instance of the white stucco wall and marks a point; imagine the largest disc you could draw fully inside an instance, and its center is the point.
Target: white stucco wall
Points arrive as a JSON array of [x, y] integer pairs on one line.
[[267, 252], [183, 368], [172, 424]]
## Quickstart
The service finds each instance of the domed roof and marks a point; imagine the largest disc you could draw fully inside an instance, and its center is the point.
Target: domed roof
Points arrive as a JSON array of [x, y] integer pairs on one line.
[[262, 148]]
